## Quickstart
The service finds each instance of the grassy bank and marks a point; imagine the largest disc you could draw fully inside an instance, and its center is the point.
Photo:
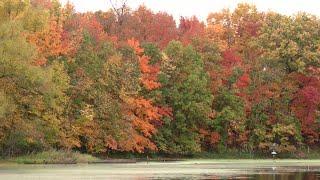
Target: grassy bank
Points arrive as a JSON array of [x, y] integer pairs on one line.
[[55, 157]]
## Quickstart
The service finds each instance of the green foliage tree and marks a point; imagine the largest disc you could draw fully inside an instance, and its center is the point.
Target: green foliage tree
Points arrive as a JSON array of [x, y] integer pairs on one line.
[[186, 90]]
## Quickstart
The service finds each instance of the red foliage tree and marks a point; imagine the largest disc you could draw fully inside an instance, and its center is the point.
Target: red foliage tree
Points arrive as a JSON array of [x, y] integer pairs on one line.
[[163, 29], [243, 81], [88, 23], [305, 106], [190, 28], [231, 58]]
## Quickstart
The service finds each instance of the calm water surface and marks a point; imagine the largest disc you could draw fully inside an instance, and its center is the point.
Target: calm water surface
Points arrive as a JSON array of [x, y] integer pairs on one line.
[[200, 169]]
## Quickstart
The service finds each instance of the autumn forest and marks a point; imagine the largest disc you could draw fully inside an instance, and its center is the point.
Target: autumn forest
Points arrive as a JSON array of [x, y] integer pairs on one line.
[[137, 81]]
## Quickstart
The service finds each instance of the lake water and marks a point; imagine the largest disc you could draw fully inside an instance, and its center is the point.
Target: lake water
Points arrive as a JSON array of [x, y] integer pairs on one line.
[[195, 169]]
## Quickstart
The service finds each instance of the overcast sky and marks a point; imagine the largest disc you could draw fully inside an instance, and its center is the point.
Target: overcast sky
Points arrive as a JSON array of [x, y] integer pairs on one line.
[[201, 8]]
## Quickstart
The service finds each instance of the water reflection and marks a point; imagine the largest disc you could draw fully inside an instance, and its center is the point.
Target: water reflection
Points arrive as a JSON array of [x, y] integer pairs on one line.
[[259, 176], [288, 176], [264, 170], [275, 173]]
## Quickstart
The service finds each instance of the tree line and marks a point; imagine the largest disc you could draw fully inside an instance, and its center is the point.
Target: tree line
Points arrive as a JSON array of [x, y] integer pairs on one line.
[[127, 80]]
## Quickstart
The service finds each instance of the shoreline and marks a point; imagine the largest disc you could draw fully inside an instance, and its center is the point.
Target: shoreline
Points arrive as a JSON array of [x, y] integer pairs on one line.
[[295, 162], [73, 157]]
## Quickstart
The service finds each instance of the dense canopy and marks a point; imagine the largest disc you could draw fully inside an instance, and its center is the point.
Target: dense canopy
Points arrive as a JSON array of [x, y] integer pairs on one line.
[[128, 80]]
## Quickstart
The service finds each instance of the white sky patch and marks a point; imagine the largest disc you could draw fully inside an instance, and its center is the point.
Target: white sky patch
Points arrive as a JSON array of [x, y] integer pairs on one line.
[[201, 8]]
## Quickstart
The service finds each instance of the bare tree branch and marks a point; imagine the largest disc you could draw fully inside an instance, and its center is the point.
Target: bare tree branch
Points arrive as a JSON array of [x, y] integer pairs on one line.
[[119, 9], [115, 6]]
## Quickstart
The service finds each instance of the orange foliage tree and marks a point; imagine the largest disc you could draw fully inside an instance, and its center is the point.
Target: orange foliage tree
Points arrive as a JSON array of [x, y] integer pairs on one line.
[[144, 114]]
